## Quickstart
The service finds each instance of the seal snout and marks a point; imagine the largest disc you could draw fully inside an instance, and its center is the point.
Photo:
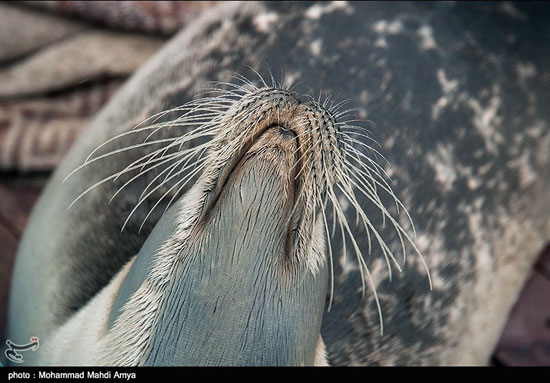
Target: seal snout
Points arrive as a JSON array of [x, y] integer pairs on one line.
[[239, 271], [301, 139], [284, 133]]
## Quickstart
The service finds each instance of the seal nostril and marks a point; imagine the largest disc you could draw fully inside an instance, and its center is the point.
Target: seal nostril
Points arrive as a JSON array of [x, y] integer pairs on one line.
[[287, 134]]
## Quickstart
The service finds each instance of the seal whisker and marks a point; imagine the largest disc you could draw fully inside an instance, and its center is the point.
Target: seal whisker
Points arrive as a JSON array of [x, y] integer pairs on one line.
[[154, 117], [368, 225], [366, 176], [153, 154], [185, 167], [184, 139], [246, 81], [174, 141], [362, 266], [142, 172], [188, 177], [388, 190], [112, 153], [136, 129], [368, 147], [162, 150], [371, 187], [310, 154], [307, 141], [199, 167], [259, 76], [225, 94], [193, 172], [239, 87], [353, 141], [111, 177], [334, 157], [385, 212], [186, 158], [351, 129], [121, 150], [334, 107], [273, 82], [399, 230], [368, 169], [347, 134], [189, 121], [338, 115]]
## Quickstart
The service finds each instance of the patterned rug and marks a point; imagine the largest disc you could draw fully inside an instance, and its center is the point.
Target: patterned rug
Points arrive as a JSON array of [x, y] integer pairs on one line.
[[64, 60]]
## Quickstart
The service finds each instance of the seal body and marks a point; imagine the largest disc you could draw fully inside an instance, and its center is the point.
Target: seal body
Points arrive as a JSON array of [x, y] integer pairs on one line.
[[460, 115]]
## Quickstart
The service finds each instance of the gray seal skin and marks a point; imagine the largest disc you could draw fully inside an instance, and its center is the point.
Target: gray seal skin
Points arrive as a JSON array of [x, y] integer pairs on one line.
[[458, 94]]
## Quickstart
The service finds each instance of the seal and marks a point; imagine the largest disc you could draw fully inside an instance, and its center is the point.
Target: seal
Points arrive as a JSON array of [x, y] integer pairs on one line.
[[459, 117], [254, 221], [248, 225]]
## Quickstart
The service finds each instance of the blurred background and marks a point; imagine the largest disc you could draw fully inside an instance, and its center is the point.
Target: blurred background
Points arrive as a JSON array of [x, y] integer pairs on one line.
[[61, 61]]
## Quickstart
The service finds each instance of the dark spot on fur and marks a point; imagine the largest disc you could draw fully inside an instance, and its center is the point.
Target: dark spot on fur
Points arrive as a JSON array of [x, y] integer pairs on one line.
[[212, 28]]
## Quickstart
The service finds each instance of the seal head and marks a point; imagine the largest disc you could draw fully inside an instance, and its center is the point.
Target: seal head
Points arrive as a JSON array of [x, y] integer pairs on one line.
[[236, 272], [242, 298]]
